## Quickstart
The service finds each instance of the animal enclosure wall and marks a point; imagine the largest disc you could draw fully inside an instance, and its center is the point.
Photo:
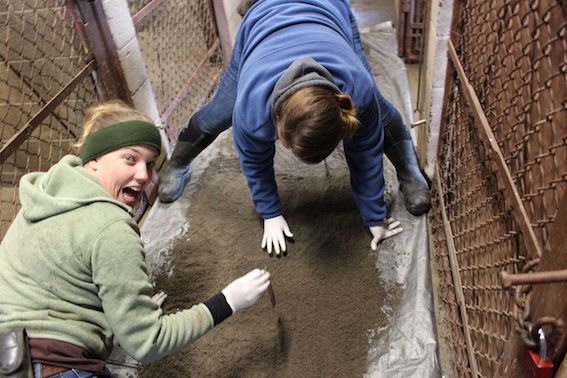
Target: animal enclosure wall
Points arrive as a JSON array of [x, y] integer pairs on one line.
[[501, 175]]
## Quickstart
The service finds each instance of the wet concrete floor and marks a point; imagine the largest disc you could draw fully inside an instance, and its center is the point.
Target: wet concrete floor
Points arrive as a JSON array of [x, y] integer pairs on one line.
[[371, 12]]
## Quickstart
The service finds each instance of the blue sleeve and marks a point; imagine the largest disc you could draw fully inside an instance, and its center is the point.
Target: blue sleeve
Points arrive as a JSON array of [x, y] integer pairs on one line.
[[364, 157], [257, 163]]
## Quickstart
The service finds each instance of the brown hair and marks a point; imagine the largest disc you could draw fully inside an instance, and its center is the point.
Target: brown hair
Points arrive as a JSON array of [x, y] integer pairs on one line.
[[106, 114], [313, 121]]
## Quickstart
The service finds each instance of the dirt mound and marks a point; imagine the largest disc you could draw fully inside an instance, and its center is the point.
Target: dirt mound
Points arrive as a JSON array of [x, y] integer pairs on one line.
[[329, 295]]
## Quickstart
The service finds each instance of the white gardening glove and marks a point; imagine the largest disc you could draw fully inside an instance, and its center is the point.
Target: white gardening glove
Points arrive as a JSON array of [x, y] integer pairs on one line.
[[159, 297], [384, 231], [246, 290], [274, 230]]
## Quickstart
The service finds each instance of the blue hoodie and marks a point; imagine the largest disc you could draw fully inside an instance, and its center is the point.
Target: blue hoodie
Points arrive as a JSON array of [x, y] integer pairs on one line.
[[274, 34]]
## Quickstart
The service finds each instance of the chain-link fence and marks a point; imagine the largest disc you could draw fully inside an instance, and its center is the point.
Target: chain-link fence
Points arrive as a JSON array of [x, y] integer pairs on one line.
[[44, 86], [182, 52], [501, 167]]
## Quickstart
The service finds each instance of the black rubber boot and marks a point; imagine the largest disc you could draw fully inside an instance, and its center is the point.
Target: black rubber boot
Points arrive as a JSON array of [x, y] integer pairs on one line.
[[178, 172], [398, 147]]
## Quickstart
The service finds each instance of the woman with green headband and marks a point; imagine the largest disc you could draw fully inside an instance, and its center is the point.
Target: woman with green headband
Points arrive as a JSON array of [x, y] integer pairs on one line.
[[72, 269]]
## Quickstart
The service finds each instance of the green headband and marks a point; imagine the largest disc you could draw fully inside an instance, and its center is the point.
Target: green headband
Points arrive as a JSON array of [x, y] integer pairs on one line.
[[122, 134]]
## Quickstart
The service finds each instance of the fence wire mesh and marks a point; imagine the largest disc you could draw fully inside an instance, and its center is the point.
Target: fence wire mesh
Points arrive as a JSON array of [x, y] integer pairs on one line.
[[41, 52], [514, 55], [181, 48]]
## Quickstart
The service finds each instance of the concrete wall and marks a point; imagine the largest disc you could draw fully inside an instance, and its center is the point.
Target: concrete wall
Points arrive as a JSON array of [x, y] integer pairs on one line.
[[132, 61], [233, 18], [433, 71], [130, 55]]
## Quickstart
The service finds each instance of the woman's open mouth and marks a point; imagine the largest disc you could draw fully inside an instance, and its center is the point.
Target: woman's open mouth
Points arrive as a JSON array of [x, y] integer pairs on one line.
[[131, 194]]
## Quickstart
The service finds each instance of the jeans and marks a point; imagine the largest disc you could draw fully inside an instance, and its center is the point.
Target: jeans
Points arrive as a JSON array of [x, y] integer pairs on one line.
[[72, 373], [216, 116]]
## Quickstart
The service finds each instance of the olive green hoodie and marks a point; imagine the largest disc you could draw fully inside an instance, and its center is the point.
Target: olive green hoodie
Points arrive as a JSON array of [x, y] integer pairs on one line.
[[72, 268]]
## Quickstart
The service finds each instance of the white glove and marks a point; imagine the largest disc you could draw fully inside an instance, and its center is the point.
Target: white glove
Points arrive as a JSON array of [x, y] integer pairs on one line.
[[384, 231], [246, 290], [159, 297], [274, 230]]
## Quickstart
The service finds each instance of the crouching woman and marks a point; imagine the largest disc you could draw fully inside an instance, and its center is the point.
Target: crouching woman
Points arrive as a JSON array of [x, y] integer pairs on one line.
[[72, 267]]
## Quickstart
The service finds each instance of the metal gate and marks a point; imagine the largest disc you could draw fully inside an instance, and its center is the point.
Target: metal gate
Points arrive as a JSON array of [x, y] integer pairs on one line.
[[411, 27], [501, 178]]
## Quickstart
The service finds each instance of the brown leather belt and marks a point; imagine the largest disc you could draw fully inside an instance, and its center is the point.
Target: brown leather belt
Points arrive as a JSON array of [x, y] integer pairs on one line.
[[49, 370]]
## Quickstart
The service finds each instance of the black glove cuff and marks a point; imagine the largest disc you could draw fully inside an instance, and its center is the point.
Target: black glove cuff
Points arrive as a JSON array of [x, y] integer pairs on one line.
[[219, 308]]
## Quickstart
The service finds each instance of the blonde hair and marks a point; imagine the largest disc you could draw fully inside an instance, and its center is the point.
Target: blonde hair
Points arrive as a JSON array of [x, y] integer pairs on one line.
[[313, 121], [106, 114]]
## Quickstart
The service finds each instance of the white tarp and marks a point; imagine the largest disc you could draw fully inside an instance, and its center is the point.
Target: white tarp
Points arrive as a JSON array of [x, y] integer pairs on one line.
[[408, 347]]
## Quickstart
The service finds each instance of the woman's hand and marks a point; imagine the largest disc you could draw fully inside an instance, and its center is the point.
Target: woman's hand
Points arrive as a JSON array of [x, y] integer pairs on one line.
[[159, 297], [384, 231], [275, 231], [246, 290]]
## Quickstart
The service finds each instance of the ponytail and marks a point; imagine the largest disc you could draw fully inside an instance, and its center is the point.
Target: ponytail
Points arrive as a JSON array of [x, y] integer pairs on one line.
[[348, 114], [313, 121]]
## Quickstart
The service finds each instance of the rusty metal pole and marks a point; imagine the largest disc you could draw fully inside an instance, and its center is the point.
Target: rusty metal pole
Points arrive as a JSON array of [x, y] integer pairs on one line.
[[222, 27], [110, 77], [508, 279]]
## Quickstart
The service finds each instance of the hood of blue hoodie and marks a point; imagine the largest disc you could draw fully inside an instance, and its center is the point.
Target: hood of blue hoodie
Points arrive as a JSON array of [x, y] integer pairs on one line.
[[65, 187]]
